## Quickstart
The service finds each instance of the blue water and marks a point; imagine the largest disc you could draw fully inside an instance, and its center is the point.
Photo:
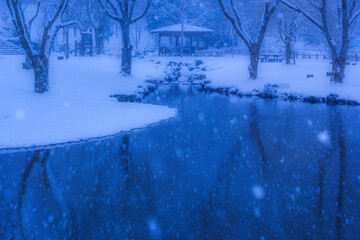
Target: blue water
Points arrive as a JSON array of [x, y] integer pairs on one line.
[[224, 168]]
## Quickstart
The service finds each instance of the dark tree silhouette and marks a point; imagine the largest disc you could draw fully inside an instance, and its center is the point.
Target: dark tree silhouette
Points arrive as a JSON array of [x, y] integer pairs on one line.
[[24, 181], [39, 58], [252, 43], [122, 11], [321, 18], [287, 29]]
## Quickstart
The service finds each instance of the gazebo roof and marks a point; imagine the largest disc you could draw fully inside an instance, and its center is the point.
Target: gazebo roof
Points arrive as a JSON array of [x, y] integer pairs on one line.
[[178, 28]]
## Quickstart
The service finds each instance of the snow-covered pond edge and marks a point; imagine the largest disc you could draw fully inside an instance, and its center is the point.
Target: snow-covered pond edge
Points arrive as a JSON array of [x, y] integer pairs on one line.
[[196, 74], [79, 141]]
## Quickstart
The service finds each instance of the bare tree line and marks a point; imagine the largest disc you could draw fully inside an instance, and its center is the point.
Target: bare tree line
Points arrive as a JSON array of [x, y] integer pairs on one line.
[[329, 16]]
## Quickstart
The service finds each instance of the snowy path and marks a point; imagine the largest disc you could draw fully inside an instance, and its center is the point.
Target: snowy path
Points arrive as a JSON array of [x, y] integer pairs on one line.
[[78, 104]]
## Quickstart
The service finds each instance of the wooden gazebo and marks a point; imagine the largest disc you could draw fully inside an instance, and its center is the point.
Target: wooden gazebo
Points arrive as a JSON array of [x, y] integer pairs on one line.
[[181, 39]]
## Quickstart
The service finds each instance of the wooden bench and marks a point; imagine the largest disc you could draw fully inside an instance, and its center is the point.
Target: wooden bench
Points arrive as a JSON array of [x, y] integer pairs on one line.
[[271, 58], [147, 52]]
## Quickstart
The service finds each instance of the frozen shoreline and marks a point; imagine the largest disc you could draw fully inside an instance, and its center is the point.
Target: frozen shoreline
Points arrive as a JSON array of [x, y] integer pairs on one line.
[[226, 75], [78, 105]]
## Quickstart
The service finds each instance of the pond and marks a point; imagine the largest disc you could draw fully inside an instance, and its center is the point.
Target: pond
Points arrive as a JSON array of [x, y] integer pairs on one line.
[[224, 168]]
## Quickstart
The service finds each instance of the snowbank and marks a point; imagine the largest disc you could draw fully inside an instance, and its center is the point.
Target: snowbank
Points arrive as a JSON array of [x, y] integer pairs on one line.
[[290, 80], [78, 105]]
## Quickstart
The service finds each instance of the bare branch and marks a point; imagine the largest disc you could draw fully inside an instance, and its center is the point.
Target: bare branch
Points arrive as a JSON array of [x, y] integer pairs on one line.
[[239, 31], [59, 12], [353, 18], [143, 14], [132, 7], [22, 31], [36, 14], [112, 14], [57, 28], [314, 5], [303, 12], [239, 21]]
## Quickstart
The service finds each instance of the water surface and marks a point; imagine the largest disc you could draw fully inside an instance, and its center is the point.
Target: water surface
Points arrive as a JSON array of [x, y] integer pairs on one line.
[[225, 168]]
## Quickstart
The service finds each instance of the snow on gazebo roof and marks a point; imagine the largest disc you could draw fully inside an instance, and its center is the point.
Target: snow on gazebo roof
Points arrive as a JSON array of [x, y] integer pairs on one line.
[[179, 27]]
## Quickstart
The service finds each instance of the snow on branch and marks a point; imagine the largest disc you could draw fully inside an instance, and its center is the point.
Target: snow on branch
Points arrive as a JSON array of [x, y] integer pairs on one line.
[[144, 12], [314, 5], [56, 30], [59, 12], [22, 30], [236, 24], [303, 12], [113, 12], [36, 13], [269, 10], [124, 10], [353, 18]]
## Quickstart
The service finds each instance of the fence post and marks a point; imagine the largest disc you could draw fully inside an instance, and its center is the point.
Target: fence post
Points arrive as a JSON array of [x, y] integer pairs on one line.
[[356, 59]]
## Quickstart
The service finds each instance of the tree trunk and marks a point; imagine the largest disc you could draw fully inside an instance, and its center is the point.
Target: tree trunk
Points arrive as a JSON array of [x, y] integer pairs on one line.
[[288, 53], [338, 63], [338, 70], [41, 69], [67, 43], [182, 44], [254, 61], [99, 41], [28, 64], [339, 60], [126, 50]]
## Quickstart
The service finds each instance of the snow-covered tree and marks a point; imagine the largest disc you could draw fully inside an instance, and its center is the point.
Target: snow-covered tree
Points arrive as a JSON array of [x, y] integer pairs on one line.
[[334, 19], [89, 14], [252, 36], [7, 31], [97, 17], [28, 64], [288, 26], [38, 57], [122, 11]]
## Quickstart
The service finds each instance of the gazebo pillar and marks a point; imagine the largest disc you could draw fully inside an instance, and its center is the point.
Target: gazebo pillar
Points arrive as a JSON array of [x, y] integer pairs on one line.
[[159, 44], [204, 41]]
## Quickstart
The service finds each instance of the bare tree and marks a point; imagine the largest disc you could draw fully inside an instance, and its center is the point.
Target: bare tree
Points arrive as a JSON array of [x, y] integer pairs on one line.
[[28, 64], [182, 19], [333, 19], [288, 26], [185, 19], [39, 58], [79, 13], [122, 11], [97, 17], [89, 14], [253, 43], [136, 34]]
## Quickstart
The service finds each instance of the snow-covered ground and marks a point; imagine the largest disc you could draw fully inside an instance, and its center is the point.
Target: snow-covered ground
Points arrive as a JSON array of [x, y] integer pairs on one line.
[[291, 79], [78, 105]]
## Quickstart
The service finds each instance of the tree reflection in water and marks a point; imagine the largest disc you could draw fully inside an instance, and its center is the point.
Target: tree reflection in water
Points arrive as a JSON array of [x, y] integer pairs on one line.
[[223, 169]]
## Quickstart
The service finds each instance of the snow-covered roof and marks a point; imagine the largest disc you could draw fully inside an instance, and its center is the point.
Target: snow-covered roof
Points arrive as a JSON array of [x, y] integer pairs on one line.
[[179, 27]]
